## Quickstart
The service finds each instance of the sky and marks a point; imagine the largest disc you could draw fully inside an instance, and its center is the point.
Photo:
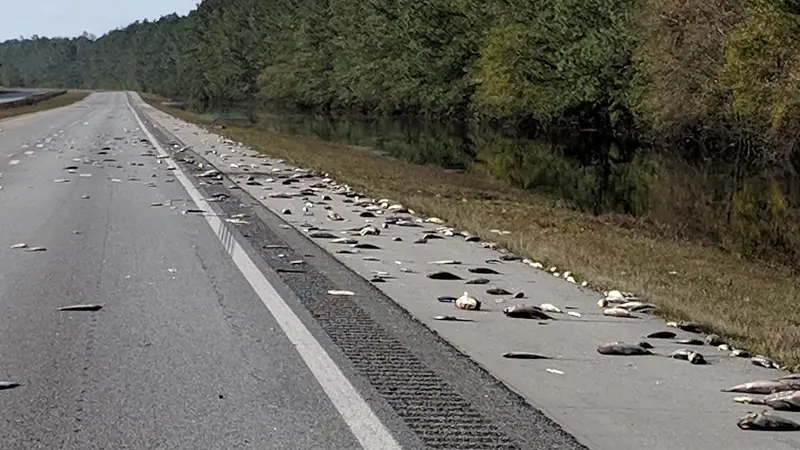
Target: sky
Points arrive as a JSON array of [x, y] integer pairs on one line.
[[70, 18]]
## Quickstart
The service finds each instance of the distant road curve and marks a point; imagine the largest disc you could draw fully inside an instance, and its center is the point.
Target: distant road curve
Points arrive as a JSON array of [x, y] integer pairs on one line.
[[10, 95]]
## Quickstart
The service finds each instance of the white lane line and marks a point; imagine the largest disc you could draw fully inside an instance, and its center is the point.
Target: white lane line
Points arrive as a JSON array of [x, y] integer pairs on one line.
[[355, 411]]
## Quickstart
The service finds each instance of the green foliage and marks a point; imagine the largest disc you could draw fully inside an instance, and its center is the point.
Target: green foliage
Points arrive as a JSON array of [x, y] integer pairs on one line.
[[563, 57], [762, 64], [679, 53], [715, 81]]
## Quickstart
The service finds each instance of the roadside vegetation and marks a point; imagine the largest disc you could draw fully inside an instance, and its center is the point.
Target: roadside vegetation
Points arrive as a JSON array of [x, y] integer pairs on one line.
[[668, 130], [36, 105]]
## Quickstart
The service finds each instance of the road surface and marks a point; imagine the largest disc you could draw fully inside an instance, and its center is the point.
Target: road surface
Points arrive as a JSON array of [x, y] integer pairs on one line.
[[219, 331], [199, 345]]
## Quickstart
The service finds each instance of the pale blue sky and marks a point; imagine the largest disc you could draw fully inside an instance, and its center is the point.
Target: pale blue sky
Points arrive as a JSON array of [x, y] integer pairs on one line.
[[68, 18]]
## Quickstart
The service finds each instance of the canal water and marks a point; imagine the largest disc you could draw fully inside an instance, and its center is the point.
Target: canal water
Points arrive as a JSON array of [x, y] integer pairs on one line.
[[594, 184]]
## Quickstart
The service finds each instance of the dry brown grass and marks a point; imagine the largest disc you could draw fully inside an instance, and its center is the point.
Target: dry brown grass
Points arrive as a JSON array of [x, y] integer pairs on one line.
[[65, 99], [748, 302]]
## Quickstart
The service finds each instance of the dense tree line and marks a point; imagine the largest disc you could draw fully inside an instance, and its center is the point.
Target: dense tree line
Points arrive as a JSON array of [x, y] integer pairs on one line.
[[709, 71], [711, 80]]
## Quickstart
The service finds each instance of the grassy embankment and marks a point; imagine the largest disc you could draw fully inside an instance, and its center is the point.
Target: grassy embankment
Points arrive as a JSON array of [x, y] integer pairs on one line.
[[750, 303], [67, 98]]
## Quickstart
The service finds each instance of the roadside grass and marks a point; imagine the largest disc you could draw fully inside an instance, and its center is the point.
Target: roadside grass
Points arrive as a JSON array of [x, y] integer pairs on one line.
[[750, 303], [65, 99]]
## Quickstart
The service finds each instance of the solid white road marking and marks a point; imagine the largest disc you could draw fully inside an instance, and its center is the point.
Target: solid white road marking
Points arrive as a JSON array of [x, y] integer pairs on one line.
[[355, 411]]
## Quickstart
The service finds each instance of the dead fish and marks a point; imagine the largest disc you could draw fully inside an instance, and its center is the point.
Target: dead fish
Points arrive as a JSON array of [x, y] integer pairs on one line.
[[637, 306], [549, 307], [84, 307], [348, 251], [8, 385], [290, 271], [688, 355], [442, 275], [366, 245], [154, 204], [762, 421], [20, 245], [680, 353], [623, 349], [452, 319], [468, 302], [338, 292], [740, 353], [497, 291], [208, 173], [524, 355], [618, 312], [446, 299], [763, 361], [691, 327], [445, 261], [662, 335], [713, 339], [761, 387], [783, 401], [484, 271], [690, 342], [478, 281], [696, 358], [780, 401], [322, 235], [525, 312], [36, 249], [369, 230], [344, 240]]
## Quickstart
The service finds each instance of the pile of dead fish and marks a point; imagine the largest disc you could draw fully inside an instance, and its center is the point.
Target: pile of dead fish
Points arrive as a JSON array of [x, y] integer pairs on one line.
[[782, 394]]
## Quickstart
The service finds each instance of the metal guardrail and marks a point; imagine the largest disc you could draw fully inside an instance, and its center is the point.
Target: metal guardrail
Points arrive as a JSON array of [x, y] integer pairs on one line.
[[32, 99]]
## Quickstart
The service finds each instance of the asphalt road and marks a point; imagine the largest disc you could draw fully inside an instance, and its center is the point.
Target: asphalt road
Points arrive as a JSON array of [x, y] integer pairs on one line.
[[201, 343], [183, 355], [221, 333]]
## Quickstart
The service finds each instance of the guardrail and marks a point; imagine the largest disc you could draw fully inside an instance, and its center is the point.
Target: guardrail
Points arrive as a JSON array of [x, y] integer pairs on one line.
[[32, 99]]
